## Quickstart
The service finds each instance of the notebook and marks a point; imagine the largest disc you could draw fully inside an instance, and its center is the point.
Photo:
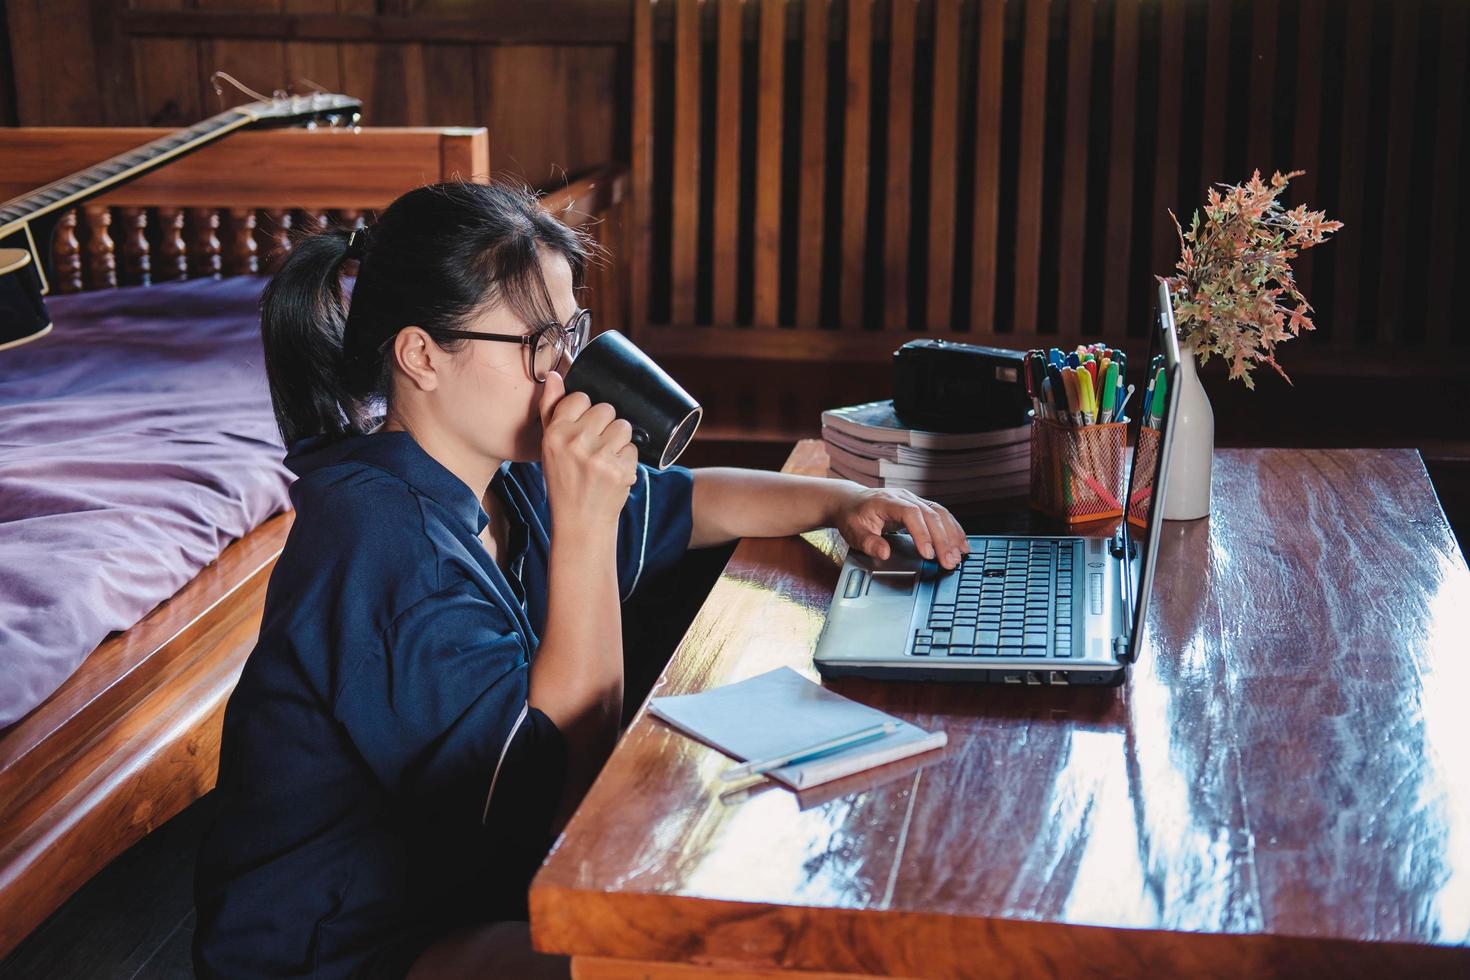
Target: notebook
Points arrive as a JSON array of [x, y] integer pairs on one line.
[[781, 712]]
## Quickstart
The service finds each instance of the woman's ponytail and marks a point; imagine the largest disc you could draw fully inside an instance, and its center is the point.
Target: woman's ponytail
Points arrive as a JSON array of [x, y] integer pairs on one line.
[[302, 318]]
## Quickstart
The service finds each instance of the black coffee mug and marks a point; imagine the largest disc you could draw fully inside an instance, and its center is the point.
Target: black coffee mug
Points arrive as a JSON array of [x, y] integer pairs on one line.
[[663, 415]]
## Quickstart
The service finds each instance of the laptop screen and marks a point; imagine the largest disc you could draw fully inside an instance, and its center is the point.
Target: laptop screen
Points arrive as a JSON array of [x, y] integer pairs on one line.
[[1136, 588]]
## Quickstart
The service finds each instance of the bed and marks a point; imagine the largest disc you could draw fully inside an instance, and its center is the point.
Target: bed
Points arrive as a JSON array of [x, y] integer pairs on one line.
[[101, 745]]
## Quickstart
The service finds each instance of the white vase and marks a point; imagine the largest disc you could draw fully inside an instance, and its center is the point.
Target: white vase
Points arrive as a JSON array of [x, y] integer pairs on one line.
[[1187, 487]]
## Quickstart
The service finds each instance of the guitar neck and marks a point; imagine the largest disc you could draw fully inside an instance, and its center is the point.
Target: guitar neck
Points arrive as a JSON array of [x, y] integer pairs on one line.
[[75, 188]]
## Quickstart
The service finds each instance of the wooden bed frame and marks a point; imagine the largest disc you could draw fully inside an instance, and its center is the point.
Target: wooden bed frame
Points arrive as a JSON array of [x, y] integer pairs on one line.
[[133, 736]]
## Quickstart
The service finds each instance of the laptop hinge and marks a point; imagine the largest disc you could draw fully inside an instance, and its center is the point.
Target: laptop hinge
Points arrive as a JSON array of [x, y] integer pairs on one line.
[[1120, 649]]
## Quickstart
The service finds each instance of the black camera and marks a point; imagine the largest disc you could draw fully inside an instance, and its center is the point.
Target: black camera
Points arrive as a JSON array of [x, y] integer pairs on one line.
[[941, 386]]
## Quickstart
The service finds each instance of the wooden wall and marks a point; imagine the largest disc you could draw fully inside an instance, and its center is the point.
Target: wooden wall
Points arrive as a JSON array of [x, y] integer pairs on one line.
[[515, 68], [829, 177]]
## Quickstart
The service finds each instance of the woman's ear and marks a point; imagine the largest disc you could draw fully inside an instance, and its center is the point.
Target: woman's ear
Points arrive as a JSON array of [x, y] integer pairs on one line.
[[414, 352]]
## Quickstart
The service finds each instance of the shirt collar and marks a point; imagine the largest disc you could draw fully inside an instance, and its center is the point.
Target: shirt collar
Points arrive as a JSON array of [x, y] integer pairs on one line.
[[399, 453]]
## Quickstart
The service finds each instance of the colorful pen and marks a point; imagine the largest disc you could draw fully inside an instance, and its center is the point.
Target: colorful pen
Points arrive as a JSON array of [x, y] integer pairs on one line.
[[1089, 403], [1156, 406], [1074, 394], [1109, 394]]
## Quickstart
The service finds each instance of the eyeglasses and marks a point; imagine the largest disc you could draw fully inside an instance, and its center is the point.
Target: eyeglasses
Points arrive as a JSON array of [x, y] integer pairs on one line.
[[549, 343]]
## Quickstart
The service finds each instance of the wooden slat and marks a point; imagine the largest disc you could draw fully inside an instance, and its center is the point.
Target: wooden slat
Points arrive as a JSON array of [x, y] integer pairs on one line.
[[810, 223], [1307, 123], [1117, 284], [1032, 160], [1071, 252], [727, 161], [1445, 311], [112, 65], [23, 22], [640, 233], [159, 65], [259, 64], [684, 247], [1353, 100], [449, 75], [1397, 203], [1265, 15], [319, 61], [855, 160], [390, 78], [768, 163], [65, 38], [944, 139], [1217, 76], [1166, 178], [990, 52], [896, 223]]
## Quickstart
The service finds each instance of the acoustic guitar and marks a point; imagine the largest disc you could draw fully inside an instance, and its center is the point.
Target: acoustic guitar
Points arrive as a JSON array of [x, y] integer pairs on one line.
[[28, 222]]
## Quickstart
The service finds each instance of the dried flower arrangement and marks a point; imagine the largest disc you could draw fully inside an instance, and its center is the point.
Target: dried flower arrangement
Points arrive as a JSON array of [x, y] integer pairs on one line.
[[1234, 294]]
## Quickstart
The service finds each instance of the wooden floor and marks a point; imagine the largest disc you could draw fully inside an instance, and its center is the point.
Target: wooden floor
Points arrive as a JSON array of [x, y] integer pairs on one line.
[[134, 919]]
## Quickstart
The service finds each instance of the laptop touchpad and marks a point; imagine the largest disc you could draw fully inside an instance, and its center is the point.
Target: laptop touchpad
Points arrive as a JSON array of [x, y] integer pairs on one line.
[[891, 584]]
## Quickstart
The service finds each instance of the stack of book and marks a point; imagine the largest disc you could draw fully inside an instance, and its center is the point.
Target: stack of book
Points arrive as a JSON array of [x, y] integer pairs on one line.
[[869, 445]]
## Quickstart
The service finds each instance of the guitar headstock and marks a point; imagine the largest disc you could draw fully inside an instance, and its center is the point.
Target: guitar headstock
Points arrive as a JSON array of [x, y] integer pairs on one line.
[[313, 108]]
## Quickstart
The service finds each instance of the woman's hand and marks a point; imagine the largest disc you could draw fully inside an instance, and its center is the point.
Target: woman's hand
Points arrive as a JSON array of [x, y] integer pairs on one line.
[[587, 457], [864, 514]]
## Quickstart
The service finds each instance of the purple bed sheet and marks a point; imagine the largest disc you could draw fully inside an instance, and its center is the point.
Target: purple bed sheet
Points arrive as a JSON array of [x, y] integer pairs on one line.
[[136, 442]]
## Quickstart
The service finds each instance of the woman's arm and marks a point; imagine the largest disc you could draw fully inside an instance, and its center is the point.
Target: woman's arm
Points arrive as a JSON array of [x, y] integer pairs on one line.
[[732, 502]]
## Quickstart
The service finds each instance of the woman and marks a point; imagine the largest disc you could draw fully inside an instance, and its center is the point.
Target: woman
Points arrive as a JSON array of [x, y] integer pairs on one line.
[[439, 677]]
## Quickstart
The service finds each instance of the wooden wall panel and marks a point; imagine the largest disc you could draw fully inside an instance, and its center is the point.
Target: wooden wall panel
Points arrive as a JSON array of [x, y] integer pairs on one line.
[[1398, 191], [1449, 152], [896, 225], [814, 103], [1118, 283], [990, 52], [943, 150], [1031, 161], [520, 91], [684, 250], [1074, 168], [769, 139], [727, 162], [1019, 149], [856, 114]]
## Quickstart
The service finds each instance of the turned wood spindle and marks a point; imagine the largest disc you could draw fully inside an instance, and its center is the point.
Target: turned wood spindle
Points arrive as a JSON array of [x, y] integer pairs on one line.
[[136, 257], [243, 259], [101, 265], [278, 223], [66, 255], [204, 255], [173, 256]]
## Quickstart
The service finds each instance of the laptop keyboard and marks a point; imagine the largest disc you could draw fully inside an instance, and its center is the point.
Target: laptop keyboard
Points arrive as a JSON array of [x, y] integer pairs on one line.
[[1008, 598]]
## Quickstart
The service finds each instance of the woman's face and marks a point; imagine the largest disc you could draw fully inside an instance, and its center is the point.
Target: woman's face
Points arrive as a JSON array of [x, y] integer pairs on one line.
[[490, 398]]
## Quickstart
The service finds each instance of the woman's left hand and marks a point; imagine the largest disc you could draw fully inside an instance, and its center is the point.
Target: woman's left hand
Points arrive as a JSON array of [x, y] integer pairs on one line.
[[864, 514]]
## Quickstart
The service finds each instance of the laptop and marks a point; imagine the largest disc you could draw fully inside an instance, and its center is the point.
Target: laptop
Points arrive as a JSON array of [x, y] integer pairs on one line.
[[1019, 609]]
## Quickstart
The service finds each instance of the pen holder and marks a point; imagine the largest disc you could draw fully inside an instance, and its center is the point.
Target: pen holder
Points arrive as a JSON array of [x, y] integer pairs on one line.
[[1076, 470], [1146, 459]]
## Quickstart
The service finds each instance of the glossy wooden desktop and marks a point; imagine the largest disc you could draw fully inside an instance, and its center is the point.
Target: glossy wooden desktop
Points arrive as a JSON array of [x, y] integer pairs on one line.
[[1282, 787]]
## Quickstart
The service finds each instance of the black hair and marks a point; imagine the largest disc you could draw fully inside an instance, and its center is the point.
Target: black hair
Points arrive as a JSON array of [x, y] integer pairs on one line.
[[438, 255]]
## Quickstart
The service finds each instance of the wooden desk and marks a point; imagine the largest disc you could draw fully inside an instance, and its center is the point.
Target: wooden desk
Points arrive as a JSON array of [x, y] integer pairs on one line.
[[1282, 787]]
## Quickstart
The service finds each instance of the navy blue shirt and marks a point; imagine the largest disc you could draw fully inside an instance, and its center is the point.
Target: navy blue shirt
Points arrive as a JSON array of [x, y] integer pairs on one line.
[[382, 777]]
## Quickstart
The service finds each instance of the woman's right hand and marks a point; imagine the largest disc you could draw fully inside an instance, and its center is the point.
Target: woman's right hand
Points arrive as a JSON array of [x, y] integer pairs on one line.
[[587, 457]]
